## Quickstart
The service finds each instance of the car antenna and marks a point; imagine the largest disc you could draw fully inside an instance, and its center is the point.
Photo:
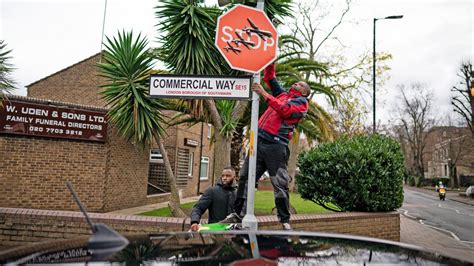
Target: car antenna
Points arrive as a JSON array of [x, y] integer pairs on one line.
[[104, 241]]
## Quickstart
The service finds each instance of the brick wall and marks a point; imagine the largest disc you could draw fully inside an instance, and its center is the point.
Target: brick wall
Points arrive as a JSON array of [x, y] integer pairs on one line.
[[78, 83], [377, 225], [127, 174], [465, 165], [107, 176], [19, 226], [35, 170]]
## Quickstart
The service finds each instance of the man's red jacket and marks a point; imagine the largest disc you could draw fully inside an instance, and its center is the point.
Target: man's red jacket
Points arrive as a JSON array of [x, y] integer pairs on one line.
[[284, 112]]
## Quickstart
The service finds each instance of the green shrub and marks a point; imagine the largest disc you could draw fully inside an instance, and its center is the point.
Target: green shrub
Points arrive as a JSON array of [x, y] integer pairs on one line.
[[411, 181], [419, 181], [364, 173]]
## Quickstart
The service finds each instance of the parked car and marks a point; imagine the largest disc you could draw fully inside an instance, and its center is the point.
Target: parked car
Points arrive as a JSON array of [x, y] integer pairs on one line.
[[234, 248], [470, 191], [237, 247]]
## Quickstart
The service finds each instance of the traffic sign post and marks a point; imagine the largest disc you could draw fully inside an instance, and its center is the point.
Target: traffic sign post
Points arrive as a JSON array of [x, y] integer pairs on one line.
[[248, 41]]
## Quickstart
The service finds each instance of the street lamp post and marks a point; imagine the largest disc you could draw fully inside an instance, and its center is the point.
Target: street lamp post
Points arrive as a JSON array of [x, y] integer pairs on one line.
[[373, 66]]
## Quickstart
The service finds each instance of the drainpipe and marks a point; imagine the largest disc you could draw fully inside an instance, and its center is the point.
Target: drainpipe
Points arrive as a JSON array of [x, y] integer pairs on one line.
[[200, 158]]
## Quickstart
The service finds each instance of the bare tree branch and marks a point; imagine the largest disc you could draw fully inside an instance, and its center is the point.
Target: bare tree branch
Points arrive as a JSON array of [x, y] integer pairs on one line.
[[463, 108], [463, 101], [415, 119], [348, 2]]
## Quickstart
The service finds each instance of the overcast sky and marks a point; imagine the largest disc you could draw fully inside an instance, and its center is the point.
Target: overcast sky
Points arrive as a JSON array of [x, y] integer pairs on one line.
[[427, 45]]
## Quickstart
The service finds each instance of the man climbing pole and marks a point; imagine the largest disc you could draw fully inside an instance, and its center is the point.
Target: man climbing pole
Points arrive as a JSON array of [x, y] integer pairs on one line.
[[275, 130]]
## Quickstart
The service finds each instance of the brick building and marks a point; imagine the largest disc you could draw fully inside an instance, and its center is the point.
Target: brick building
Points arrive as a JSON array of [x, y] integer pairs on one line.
[[110, 175], [449, 149]]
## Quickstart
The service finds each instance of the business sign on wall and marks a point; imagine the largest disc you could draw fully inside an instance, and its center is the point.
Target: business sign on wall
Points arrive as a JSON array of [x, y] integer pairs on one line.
[[215, 87], [23, 118]]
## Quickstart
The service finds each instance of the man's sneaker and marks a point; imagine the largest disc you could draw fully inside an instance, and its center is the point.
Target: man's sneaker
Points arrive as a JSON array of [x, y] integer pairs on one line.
[[232, 218], [286, 226]]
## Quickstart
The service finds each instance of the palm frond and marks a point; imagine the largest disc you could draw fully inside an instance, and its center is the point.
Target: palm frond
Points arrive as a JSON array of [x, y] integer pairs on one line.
[[229, 123], [7, 84], [279, 9], [318, 124], [287, 40], [194, 108], [126, 67], [187, 43]]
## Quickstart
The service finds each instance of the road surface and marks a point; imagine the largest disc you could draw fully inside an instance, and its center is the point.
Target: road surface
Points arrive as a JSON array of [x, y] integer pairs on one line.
[[450, 217]]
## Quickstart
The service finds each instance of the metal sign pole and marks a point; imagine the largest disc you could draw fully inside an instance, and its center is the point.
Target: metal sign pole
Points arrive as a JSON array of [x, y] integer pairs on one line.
[[250, 221]]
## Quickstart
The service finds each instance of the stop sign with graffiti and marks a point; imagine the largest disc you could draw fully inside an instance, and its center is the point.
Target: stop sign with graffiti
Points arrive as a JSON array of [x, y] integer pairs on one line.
[[246, 38]]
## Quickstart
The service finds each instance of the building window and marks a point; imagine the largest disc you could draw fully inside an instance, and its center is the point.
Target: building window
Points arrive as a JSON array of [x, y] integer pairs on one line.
[[157, 180], [156, 156], [209, 131], [204, 175], [445, 170], [190, 164]]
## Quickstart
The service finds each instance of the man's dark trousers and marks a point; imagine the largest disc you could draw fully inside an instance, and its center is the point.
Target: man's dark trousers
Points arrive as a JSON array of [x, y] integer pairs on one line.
[[274, 158]]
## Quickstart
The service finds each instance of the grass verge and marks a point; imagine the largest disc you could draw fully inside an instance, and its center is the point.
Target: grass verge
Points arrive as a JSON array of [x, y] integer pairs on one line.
[[264, 204]]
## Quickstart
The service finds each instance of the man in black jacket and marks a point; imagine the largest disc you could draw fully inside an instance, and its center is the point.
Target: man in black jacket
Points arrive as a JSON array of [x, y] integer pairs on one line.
[[219, 200]]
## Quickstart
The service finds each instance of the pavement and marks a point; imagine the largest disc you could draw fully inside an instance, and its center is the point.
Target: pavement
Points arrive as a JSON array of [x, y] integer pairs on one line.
[[414, 233], [145, 208], [411, 231]]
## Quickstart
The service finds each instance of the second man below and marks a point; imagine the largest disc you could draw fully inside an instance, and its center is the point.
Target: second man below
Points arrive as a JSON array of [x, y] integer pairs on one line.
[[219, 200]]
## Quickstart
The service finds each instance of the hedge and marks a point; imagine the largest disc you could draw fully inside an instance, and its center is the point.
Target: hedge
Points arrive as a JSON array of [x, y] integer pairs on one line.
[[363, 173]]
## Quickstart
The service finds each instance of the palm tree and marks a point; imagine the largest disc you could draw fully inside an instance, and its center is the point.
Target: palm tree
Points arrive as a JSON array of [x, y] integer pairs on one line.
[[7, 84], [126, 67], [187, 47]]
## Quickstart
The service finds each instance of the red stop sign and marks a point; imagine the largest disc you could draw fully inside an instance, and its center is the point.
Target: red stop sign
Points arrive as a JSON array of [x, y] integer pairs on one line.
[[246, 38]]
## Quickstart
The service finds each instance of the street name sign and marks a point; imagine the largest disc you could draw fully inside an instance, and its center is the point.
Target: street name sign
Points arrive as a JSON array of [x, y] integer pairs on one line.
[[193, 87]]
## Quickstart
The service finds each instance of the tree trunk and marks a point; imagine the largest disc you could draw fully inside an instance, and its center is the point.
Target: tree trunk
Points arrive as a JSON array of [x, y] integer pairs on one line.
[[236, 148], [174, 202], [294, 151], [221, 155], [221, 145], [471, 101], [453, 175]]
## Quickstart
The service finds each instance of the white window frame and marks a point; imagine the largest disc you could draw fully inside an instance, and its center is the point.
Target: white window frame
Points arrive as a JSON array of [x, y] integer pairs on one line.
[[206, 161], [190, 164], [156, 156]]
